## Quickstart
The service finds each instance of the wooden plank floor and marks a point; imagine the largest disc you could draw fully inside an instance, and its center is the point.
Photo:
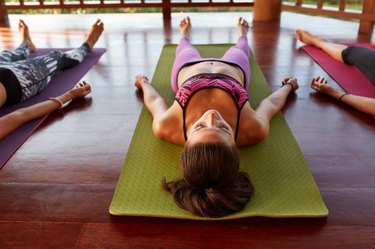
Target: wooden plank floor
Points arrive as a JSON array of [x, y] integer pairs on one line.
[[56, 190]]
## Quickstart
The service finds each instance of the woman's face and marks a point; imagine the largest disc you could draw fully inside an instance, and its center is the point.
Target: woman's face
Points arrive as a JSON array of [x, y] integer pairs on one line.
[[211, 127]]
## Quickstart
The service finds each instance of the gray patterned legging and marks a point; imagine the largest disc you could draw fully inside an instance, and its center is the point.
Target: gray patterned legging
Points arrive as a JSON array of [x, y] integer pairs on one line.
[[34, 74]]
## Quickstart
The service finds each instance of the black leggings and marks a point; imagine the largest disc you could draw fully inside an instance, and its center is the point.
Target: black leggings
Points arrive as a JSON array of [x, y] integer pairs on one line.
[[362, 58]]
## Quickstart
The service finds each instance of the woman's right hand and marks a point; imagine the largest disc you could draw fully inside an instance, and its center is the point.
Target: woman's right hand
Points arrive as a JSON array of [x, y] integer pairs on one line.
[[139, 80], [291, 81]]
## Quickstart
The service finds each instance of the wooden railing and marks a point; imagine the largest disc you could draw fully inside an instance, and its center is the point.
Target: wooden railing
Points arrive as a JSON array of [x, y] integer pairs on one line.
[[164, 5], [366, 16]]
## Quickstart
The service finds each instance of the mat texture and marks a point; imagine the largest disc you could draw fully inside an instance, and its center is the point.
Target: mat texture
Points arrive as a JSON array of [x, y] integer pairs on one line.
[[284, 186], [61, 83], [347, 76]]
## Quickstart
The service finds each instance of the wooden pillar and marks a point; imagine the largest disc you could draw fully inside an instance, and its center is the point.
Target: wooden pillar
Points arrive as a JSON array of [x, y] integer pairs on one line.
[[3, 14], [267, 10], [365, 26], [166, 10]]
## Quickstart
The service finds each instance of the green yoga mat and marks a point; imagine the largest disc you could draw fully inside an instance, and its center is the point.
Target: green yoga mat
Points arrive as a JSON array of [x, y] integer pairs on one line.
[[284, 186]]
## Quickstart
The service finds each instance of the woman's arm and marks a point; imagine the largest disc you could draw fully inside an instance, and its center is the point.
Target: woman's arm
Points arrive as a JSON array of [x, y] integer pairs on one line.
[[152, 100], [271, 105], [363, 104], [256, 124], [13, 120]]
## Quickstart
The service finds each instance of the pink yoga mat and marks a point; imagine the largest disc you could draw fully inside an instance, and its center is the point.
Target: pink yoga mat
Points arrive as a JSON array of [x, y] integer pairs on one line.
[[61, 83], [347, 76]]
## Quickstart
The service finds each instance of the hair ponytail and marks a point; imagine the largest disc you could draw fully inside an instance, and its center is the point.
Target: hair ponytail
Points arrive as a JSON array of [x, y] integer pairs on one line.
[[212, 186]]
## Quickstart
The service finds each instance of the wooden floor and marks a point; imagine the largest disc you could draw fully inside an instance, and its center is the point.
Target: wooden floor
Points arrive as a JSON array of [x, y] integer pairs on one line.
[[56, 190]]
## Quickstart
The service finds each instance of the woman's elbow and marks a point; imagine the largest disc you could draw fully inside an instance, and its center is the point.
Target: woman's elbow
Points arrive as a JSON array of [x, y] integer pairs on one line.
[[158, 131]]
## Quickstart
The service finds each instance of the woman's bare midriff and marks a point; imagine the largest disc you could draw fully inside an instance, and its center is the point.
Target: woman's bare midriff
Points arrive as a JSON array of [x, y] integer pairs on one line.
[[210, 67]]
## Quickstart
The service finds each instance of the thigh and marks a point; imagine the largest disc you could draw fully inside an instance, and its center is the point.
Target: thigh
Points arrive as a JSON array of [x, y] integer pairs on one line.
[[36, 73], [362, 58]]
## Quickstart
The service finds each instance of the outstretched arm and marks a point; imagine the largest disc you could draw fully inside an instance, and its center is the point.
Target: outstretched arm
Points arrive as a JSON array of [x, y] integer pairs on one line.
[[363, 104], [152, 99], [271, 105], [13, 120]]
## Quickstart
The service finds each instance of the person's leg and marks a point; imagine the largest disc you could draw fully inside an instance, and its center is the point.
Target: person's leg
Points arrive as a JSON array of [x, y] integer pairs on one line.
[[240, 53], [73, 57], [332, 49], [185, 52], [34, 74], [23, 51], [363, 59], [20, 53]]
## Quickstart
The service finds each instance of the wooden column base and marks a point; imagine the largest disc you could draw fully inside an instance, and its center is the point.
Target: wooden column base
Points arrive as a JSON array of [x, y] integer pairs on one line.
[[267, 10]]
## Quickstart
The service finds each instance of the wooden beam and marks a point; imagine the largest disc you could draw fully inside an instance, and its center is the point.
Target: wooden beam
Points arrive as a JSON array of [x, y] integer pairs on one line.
[[319, 4], [342, 4], [3, 14], [366, 26], [167, 10], [332, 13]]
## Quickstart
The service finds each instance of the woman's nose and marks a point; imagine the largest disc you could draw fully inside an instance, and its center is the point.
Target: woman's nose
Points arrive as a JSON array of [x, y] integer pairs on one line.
[[211, 119]]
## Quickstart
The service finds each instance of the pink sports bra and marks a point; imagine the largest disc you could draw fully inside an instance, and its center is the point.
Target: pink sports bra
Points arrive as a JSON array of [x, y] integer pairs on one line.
[[209, 80]]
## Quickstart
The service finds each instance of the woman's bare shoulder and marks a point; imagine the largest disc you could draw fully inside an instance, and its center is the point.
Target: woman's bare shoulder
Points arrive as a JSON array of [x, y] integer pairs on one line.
[[252, 129], [169, 126]]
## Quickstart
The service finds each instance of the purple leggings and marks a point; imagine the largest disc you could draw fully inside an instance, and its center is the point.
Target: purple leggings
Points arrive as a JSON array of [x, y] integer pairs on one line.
[[186, 54]]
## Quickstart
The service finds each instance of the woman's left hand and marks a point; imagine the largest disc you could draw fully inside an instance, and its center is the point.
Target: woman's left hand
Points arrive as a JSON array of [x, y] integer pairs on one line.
[[80, 90]]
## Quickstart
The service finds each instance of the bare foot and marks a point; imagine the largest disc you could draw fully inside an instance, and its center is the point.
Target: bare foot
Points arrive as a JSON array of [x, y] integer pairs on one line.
[[96, 31], [306, 37], [25, 35], [185, 27], [242, 26], [373, 43]]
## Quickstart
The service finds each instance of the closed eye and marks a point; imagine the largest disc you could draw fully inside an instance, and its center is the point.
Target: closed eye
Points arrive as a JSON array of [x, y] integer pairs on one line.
[[198, 127], [224, 127]]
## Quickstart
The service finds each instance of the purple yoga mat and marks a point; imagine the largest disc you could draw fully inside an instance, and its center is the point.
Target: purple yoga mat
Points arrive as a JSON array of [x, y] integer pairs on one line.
[[347, 76], [61, 83]]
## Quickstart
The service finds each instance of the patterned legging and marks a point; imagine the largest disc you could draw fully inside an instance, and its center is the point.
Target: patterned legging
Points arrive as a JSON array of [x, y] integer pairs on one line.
[[34, 74]]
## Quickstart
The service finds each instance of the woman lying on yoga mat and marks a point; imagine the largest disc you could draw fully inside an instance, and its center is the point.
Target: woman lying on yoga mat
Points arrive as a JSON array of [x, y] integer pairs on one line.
[[362, 58], [22, 77], [210, 116]]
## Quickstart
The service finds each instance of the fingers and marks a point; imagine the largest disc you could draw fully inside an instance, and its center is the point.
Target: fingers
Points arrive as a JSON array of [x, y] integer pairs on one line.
[[141, 77], [288, 79], [317, 82], [83, 85]]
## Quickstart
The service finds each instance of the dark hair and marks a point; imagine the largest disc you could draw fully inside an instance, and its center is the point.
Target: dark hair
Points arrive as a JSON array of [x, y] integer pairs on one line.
[[212, 185]]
